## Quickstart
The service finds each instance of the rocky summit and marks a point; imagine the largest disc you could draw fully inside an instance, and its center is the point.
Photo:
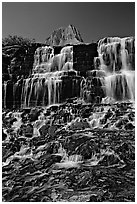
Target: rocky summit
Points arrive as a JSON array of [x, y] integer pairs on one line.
[[64, 36]]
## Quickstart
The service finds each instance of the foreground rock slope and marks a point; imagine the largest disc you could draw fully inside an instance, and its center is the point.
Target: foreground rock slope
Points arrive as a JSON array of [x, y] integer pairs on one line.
[[58, 155]]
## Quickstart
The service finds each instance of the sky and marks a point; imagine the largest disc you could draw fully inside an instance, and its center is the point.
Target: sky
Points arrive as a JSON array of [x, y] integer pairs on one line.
[[94, 20]]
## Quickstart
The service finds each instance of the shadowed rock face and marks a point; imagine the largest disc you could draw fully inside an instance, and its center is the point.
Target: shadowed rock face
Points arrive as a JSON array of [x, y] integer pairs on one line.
[[17, 60], [64, 36]]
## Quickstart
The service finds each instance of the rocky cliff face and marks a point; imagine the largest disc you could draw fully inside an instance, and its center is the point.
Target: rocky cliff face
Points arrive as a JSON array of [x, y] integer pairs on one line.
[[17, 60], [63, 36]]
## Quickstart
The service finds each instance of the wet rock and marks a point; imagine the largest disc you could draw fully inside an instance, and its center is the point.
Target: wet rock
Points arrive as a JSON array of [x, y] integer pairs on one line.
[[4, 136], [34, 113], [12, 120], [52, 130], [44, 129], [131, 116], [28, 130], [98, 164], [22, 139], [54, 108], [15, 146], [40, 142], [93, 198], [87, 150], [126, 152], [109, 159], [56, 158], [119, 123], [79, 124], [122, 121], [26, 110], [86, 112], [129, 126], [47, 160]]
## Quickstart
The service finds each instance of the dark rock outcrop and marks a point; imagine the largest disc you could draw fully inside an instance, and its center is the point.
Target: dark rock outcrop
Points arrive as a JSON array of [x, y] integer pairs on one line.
[[17, 60], [83, 57]]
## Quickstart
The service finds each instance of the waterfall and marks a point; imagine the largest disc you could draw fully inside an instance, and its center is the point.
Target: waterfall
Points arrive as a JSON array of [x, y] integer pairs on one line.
[[114, 59], [54, 78], [46, 89], [51, 78]]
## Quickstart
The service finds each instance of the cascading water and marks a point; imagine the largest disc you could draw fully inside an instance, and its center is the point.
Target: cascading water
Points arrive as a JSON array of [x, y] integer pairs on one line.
[[71, 161], [52, 77], [42, 59], [17, 124], [115, 58]]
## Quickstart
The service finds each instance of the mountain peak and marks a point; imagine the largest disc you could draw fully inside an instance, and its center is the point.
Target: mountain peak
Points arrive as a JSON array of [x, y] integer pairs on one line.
[[63, 36]]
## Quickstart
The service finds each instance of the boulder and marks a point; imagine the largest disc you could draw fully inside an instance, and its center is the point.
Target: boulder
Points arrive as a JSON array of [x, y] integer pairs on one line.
[[93, 198], [52, 130], [129, 126], [109, 159], [28, 130], [4, 136], [34, 113], [44, 129]]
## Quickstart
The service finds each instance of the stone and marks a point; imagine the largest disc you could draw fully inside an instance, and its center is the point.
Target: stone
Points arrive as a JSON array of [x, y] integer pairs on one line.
[[12, 120], [79, 124], [93, 198], [52, 130], [129, 126], [28, 130], [44, 129], [56, 158], [34, 113], [109, 159], [4, 136], [85, 112], [63, 36], [26, 110]]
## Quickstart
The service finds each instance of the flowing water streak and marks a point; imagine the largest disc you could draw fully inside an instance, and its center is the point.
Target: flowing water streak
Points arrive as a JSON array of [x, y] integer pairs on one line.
[[5, 93], [25, 92], [49, 82], [124, 55], [30, 92]]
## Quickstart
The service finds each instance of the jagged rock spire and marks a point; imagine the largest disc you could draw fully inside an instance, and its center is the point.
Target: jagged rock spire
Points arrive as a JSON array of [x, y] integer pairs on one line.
[[63, 36]]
